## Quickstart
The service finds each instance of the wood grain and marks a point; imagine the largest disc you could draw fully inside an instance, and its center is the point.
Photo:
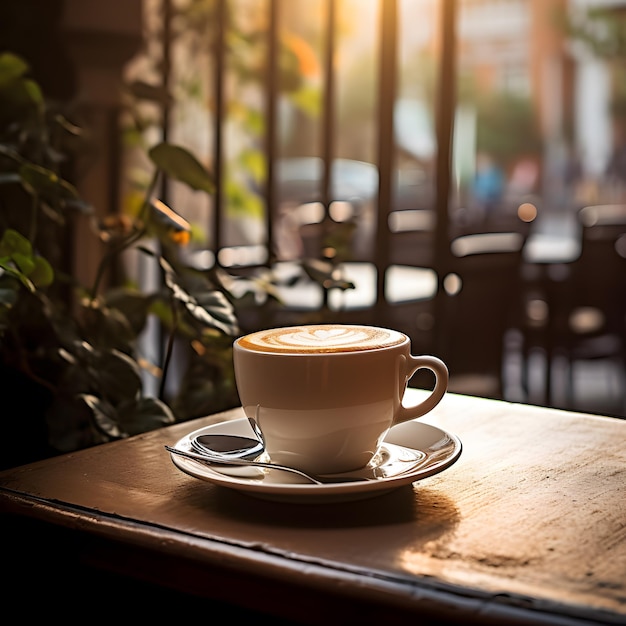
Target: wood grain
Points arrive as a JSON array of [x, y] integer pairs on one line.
[[530, 521]]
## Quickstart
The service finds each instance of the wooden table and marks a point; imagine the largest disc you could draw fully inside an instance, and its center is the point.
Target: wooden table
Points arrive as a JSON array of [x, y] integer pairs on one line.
[[528, 526]]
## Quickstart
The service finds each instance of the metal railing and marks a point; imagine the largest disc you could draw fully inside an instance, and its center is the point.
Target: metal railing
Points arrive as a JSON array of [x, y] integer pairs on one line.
[[378, 307]]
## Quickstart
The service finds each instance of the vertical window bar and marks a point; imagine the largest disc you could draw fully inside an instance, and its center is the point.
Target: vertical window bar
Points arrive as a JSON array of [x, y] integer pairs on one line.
[[387, 96], [166, 109], [445, 106], [270, 137], [218, 86], [328, 108], [328, 117], [155, 336]]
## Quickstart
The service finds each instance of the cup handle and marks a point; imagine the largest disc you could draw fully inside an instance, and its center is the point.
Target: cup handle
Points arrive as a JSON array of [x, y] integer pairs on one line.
[[440, 370]]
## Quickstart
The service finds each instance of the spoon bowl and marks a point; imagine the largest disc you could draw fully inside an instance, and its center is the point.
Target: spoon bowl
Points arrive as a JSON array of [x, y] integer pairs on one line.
[[231, 446]]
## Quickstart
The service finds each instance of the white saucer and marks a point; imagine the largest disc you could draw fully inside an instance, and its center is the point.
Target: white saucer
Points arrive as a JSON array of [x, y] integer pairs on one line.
[[411, 451]]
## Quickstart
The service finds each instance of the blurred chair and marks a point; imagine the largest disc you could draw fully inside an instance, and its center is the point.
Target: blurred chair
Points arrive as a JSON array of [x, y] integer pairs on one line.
[[551, 247], [481, 300], [591, 314], [411, 294], [508, 217], [412, 237], [411, 282]]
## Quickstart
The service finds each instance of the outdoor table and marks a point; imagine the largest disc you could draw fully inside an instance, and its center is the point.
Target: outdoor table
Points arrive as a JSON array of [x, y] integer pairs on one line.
[[527, 526]]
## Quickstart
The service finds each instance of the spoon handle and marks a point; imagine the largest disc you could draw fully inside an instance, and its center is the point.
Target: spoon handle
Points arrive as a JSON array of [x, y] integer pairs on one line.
[[219, 460]]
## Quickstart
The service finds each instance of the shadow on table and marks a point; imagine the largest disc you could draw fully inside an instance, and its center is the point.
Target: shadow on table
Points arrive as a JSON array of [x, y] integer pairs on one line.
[[427, 507]]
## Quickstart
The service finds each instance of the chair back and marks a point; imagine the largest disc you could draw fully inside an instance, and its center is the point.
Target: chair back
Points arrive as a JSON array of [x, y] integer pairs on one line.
[[412, 237], [597, 284], [481, 296]]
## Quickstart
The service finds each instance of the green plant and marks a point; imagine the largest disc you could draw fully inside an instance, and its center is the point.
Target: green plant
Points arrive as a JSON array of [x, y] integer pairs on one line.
[[603, 31], [69, 359], [506, 127]]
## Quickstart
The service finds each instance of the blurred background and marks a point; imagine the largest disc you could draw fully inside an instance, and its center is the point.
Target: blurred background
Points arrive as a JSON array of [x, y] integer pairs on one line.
[[436, 166]]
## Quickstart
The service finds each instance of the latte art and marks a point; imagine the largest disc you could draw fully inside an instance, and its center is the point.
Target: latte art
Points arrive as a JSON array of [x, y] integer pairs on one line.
[[322, 338]]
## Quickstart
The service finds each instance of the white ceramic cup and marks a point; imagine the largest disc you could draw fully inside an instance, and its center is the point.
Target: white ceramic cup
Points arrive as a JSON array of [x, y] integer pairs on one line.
[[325, 395]]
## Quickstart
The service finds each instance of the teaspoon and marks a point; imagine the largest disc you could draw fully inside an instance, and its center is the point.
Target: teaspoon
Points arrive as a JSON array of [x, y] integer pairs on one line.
[[222, 459]]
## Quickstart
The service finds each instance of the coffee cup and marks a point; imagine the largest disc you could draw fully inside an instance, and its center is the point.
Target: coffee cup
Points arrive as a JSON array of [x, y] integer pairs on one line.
[[325, 396]]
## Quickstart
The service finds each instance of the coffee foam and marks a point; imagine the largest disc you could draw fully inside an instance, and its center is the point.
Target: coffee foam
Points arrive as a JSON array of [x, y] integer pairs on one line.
[[321, 338]]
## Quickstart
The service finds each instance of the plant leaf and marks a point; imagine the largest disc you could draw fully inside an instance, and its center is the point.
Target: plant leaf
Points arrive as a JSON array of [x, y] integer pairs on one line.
[[324, 274], [42, 273], [208, 385], [208, 306], [46, 183], [103, 415], [21, 98], [24, 263], [31, 270], [132, 304], [17, 274], [12, 67], [13, 242], [107, 326], [118, 375], [181, 165], [144, 414]]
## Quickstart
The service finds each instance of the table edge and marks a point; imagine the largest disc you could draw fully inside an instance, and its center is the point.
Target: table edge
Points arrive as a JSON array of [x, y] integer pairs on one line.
[[423, 595]]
